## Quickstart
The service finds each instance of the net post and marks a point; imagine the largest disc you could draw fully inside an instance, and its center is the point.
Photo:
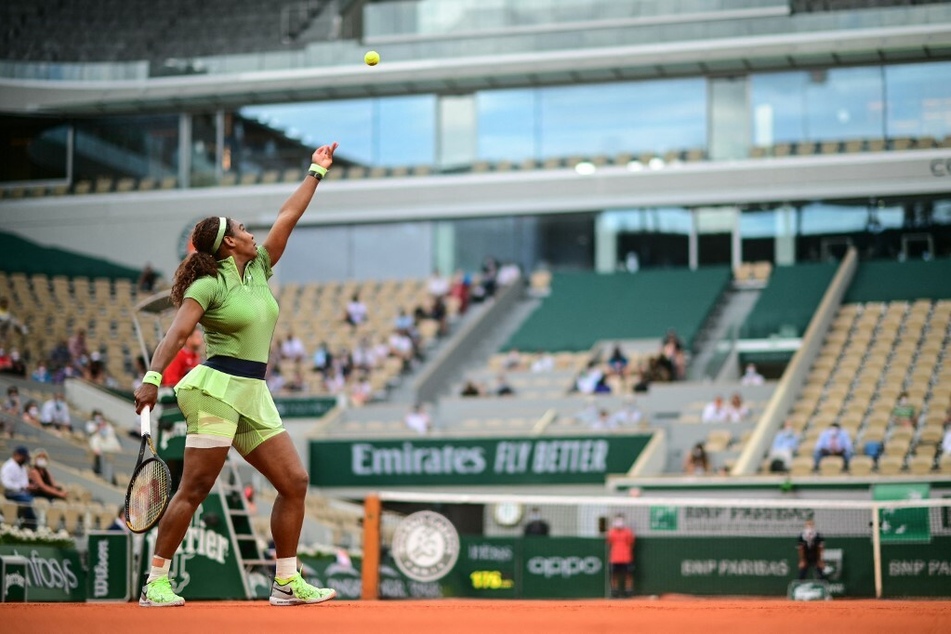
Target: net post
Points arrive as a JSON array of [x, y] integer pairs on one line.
[[877, 550], [371, 547]]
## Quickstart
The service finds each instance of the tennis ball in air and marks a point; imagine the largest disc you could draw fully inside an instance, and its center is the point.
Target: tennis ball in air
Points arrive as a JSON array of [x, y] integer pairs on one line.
[[372, 58]]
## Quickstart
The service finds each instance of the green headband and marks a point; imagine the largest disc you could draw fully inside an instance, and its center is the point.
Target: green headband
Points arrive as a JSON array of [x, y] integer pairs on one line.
[[222, 225]]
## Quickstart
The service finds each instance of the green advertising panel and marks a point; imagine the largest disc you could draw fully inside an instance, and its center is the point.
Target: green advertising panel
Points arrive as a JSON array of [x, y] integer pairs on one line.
[[564, 567], [917, 570], [664, 518], [903, 525], [487, 567], [340, 572], [13, 586], [205, 566], [745, 565], [455, 461], [53, 574], [109, 561], [309, 407]]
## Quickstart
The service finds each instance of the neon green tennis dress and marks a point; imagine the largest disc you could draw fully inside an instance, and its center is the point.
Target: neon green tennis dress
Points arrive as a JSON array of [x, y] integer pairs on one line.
[[239, 321]]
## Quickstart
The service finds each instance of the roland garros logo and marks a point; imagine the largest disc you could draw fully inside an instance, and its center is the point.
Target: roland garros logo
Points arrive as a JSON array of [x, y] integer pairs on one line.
[[425, 546]]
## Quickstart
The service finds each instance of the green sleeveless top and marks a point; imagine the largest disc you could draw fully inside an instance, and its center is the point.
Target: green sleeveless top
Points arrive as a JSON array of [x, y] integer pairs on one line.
[[240, 314]]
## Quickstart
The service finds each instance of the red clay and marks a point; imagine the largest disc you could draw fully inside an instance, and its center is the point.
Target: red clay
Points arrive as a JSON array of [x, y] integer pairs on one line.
[[669, 615]]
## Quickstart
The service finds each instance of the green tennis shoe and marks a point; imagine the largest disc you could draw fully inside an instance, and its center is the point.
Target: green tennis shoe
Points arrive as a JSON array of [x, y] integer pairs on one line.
[[296, 591], [158, 594]]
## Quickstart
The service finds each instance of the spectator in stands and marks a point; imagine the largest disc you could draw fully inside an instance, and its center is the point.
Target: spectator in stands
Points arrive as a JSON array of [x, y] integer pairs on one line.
[[602, 421], [503, 387], [489, 278], [470, 389], [544, 362], [587, 381], [641, 379], [185, 359], [716, 411], [12, 404], [9, 322], [618, 361], [276, 381], [322, 358], [904, 411], [628, 416], [512, 360], [5, 361], [95, 369], [31, 414], [751, 376], [459, 289], [437, 285], [509, 274], [356, 311], [361, 390], [41, 374], [334, 381], [147, 278], [78, 352], [672, 355], [833, 441], [945, 446], [16, 484], [697, 462], [620, 540], [102, 441], [118, 522], [536, 526], [364, 356], [404, 321], [785, 445], [401, 346], [292, 349], [15, 365], [55, 414], [810, 545], [59, 356], [737, 410], [42, 481], [418, 419]]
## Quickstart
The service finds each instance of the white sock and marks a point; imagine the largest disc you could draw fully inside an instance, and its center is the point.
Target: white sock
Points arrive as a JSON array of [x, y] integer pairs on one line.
[[158, 571], [286, 567]]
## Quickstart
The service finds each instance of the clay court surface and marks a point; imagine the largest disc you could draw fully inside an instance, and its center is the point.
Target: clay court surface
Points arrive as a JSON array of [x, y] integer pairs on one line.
[[668, 615]]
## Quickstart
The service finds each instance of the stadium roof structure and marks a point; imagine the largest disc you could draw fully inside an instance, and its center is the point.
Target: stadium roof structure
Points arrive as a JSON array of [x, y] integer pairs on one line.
[[761, 52]]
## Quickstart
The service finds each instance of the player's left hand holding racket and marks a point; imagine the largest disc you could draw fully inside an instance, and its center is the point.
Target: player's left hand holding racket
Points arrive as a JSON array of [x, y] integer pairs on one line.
[[151, 486]]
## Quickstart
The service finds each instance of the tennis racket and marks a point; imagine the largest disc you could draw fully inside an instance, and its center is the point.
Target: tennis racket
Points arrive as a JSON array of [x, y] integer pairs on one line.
[[150, 487]]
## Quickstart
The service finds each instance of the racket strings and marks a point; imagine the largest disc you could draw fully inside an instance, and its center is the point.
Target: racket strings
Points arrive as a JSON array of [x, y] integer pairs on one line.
[[148, 495]]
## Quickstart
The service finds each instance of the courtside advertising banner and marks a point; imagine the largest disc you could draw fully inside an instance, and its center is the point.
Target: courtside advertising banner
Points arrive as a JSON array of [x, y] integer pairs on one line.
[[474, 461], [109, 576], [52, 574]]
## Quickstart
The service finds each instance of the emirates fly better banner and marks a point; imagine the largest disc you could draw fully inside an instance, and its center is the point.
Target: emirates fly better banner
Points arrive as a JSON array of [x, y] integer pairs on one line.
[[461, 461]]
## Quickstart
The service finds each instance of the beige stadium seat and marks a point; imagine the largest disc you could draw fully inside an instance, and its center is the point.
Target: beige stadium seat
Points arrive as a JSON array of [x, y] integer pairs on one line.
[[920, 464], [718, 440], [861, 465], [831, 465], [801, 466], [944, 464], [890, 465]]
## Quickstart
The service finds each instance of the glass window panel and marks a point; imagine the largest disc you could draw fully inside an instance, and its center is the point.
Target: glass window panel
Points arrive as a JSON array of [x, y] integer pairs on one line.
[[652, 116], [348, 122], [758, 224], [506, 125], [919, 100], [135, 146], [777, 107], [407, 130], [822, 218], [33, 149], [845, 103]]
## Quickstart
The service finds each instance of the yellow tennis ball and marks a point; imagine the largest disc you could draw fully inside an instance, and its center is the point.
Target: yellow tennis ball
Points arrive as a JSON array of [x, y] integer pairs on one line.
[[372, 58]]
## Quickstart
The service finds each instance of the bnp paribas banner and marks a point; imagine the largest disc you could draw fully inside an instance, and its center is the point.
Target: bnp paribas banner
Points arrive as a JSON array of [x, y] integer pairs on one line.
[[449, 461]]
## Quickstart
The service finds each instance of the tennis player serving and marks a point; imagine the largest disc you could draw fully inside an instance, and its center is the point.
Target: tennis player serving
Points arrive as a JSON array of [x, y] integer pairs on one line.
[[226, 402]]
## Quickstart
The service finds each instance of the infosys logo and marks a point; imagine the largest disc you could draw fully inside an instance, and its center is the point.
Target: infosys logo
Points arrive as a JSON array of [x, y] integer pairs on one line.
[[564, 566]]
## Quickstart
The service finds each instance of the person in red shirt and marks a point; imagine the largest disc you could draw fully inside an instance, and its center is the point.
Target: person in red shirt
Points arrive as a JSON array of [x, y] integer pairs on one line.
[[187, 358], [620, 541]]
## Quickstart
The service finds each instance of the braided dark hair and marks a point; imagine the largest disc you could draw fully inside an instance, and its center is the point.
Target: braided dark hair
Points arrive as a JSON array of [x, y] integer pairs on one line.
[[202, 261]]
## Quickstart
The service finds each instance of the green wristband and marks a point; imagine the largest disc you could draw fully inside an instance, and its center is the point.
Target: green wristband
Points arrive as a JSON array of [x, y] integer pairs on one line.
[[152, 378], [317, 171]]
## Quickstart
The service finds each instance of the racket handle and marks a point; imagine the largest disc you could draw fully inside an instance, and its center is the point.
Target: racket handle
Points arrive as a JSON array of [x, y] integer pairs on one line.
[[145, 422]]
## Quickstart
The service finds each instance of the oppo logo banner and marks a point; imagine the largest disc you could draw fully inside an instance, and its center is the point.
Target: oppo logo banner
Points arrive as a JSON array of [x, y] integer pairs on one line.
[[565, 567]]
